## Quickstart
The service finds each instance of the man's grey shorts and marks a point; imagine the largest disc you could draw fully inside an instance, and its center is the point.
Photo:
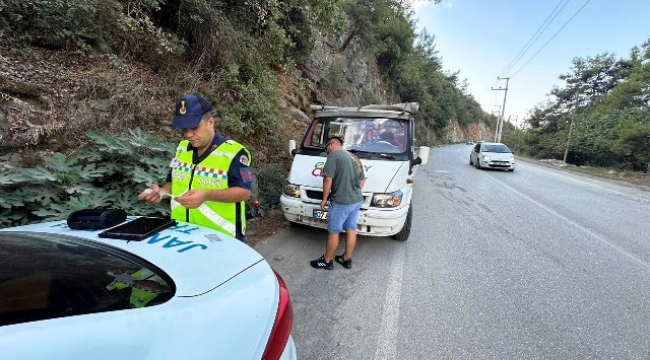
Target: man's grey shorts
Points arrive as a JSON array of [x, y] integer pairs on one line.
[[342, 216]]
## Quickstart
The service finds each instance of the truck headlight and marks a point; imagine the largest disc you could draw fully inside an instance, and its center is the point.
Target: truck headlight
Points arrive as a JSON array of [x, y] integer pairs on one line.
[[292, 190], [387, 200]]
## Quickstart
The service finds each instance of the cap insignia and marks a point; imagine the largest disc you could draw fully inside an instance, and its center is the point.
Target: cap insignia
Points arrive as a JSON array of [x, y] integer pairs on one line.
[[182, 110]]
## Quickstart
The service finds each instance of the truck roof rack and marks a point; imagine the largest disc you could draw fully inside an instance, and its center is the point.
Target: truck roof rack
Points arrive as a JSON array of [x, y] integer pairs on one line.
[[410, 107]]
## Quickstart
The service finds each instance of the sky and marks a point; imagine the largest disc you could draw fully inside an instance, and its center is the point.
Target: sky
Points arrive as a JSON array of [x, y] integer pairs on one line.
[[481, 38]]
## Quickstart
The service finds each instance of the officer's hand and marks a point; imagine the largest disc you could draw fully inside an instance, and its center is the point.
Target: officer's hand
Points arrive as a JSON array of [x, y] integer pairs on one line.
[[150, 195], [192, 199]]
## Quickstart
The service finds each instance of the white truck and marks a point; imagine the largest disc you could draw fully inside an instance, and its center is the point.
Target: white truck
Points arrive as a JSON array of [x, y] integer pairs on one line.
[[382, 137]]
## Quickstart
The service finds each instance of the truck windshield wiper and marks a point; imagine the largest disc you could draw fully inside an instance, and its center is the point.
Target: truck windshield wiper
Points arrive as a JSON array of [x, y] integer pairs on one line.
[[372, 153], [357, 151]]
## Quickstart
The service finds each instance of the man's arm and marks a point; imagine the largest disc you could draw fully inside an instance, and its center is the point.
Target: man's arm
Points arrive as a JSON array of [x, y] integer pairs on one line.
[[327, 188], [153, 196], [230, 195], [192, 199], [240, 183]]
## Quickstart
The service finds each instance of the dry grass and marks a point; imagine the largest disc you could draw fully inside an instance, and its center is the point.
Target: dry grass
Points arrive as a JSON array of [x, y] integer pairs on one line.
[[635, 178], [629, 177]]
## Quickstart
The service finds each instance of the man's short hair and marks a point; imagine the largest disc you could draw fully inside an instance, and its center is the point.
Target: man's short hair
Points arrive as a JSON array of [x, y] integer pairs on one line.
[[338, 138]]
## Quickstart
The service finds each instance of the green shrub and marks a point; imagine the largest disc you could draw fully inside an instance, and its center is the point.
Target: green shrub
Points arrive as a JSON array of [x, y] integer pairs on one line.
[[69, 24], [254, 99], [267, 188], [111, 172]]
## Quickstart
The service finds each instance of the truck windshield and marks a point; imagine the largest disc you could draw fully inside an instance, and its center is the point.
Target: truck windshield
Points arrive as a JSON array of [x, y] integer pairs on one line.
[[363, 135]]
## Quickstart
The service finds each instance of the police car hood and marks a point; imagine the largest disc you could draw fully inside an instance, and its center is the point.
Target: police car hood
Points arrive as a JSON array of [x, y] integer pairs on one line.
[[306, 170], [198, 259]]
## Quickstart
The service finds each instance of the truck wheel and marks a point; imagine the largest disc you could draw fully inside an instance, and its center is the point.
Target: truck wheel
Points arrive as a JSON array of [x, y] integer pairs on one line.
[[403, 234]]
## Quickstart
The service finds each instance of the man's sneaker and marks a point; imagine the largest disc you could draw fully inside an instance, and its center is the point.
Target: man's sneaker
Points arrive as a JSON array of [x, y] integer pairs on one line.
[[346, 263], [322, 264]]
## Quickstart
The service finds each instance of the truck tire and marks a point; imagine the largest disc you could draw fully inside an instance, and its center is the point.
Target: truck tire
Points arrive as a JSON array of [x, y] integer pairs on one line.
[[403, 234]]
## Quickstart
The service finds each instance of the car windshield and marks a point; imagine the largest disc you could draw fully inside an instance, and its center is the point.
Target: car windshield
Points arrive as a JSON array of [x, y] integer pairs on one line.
[[364, 135], [496, 148], [44, 276]]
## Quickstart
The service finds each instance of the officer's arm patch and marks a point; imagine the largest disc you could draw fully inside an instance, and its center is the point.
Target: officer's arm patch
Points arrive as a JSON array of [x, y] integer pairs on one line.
[[246, 174]]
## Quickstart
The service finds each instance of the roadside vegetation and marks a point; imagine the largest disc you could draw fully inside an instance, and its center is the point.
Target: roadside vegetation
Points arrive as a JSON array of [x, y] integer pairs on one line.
[[599, 119]]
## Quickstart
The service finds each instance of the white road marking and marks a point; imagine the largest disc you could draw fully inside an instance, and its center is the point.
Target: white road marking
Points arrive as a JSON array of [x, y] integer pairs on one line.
[[596, 236], [387, 341]]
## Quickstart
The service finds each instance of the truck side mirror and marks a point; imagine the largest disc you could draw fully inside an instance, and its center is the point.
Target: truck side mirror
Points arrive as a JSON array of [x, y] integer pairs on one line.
[[292, 147]]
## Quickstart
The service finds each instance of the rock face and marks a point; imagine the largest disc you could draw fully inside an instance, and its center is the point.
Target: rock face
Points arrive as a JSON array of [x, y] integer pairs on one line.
[[345, 77], [474, 132]]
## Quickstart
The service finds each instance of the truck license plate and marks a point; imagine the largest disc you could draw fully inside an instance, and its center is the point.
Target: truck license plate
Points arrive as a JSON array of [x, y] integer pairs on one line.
[[320, 214]]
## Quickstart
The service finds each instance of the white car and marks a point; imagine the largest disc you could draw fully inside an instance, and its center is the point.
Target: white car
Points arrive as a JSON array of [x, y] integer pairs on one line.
[[186, 292], [493, 156]]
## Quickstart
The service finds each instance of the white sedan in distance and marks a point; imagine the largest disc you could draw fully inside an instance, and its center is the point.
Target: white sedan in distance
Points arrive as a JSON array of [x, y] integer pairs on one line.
[[490, 155], [186, 292]]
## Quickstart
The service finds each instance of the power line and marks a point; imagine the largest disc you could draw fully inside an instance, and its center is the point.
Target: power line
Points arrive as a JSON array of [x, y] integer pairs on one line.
[[552, 37], [540, 30]]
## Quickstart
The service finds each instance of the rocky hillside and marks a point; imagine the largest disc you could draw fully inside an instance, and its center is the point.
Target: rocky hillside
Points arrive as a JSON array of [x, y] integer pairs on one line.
[[48, 98]]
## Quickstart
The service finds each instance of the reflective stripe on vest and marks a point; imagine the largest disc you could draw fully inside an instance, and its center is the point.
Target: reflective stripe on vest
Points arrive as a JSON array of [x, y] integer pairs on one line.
[[212, 174]]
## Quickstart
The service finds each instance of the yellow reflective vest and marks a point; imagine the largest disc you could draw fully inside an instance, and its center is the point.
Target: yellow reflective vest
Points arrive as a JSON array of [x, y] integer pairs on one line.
[[212, 174]]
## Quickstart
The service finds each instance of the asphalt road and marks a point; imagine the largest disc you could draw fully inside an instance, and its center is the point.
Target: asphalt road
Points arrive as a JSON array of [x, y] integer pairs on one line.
[[534, 264]]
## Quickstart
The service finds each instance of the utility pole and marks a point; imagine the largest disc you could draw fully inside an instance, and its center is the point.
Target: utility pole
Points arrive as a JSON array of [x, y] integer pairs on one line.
[[648, 169], [497, 112], [503, 108], [568, 141]]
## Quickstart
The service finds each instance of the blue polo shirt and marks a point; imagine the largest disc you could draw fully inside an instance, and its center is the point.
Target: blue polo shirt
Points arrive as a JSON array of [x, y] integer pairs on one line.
[[239, 175]]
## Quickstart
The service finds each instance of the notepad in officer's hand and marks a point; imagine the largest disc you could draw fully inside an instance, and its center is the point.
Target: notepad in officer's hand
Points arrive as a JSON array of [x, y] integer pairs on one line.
[[138, 229]]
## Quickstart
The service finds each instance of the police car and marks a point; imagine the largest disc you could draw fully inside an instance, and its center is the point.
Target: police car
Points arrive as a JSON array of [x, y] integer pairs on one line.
[[186, 292]]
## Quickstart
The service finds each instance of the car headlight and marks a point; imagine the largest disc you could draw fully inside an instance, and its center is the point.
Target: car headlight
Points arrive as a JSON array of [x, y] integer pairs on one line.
[[512, 160], [387, 200], [485, 158], [292, 190]]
